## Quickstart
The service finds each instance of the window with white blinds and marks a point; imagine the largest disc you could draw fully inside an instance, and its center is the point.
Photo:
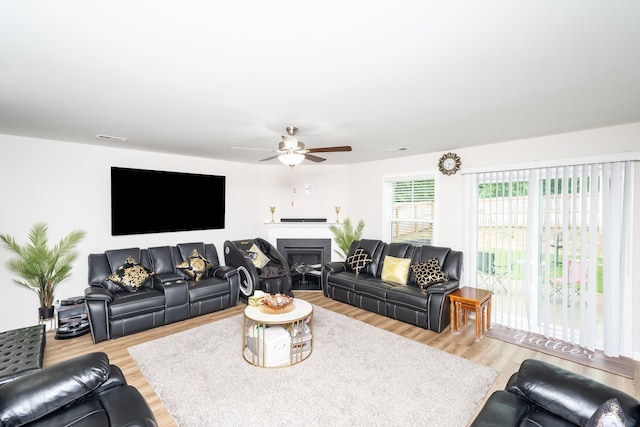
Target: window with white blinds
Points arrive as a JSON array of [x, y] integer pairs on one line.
[[409, 209]]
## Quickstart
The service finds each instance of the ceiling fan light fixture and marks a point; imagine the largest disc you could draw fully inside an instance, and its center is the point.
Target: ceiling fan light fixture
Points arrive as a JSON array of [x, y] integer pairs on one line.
[[291, 159]]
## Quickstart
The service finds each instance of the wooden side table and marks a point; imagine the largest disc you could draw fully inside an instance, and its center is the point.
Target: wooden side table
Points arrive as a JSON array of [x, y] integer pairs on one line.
[[469, 299]]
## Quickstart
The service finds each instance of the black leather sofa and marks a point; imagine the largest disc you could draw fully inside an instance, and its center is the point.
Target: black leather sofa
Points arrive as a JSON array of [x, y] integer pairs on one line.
[[542, 394], [428, 308], [84, 391], [168, 296], [274, 277]]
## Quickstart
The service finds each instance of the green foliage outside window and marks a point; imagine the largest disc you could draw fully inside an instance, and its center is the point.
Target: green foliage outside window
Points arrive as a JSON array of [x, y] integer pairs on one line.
[[413, 191], [521, 188]]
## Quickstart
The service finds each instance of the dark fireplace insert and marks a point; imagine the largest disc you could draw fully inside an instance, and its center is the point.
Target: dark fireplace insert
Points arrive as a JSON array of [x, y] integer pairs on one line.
[[305, 257]]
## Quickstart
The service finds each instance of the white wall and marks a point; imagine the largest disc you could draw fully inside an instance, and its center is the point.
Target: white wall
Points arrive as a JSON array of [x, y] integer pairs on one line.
[[67, 185]]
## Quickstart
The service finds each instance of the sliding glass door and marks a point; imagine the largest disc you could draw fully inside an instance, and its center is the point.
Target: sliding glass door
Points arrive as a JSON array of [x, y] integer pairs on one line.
[[551, 245]]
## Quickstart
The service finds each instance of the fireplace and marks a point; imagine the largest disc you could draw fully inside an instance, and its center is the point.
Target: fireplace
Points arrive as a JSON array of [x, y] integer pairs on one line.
[[305, 257]]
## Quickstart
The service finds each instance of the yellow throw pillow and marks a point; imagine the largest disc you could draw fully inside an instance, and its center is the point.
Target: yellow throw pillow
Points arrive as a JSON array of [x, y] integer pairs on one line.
[[396, 270]]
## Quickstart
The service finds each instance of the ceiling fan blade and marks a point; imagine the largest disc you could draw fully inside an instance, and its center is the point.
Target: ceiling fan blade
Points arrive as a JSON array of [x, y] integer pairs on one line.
[[270, 158], [314, 158], [330, 149]]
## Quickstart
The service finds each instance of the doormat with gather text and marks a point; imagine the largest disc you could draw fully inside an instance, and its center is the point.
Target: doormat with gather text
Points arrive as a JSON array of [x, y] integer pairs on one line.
[[554, 347]]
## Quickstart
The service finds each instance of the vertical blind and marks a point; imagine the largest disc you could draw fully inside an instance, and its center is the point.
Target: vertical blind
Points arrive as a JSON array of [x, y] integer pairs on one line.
[[560, 254], [501, 242]]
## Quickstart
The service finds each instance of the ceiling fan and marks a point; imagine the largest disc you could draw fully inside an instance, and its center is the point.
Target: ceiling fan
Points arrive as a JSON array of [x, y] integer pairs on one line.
[[291, 151]]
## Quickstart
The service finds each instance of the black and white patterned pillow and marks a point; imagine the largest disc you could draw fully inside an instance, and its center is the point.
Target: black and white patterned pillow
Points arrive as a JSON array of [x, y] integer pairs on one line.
[[359, 260], [429, 273]]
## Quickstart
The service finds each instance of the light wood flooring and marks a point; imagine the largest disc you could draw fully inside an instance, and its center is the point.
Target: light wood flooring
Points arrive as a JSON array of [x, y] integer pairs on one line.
[[503, 357]]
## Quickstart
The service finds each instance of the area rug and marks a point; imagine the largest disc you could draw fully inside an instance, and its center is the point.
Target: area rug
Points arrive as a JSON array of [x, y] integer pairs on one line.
[[595, 359], [357, 375]]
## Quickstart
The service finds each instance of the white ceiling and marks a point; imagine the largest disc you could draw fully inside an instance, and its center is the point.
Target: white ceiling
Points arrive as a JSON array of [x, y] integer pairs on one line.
[[198, 76]]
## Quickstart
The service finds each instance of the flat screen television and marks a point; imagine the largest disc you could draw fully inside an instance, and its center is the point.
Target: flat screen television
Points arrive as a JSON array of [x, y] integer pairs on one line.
[[150, 201]]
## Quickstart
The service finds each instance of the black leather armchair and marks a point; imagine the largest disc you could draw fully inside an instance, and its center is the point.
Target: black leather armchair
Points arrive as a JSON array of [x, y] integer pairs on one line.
[[274, 277], [542, 394], [84, 391]]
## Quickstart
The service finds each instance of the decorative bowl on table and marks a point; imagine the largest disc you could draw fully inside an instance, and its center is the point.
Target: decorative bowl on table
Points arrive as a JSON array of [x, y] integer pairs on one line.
[[277, 301]]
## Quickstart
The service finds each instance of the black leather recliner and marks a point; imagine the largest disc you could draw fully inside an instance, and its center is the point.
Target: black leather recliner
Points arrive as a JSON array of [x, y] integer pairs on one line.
[[274, 277], [428, 308], [114, 312], [217, 291], [84, 391], [542, 394], [168, 297]]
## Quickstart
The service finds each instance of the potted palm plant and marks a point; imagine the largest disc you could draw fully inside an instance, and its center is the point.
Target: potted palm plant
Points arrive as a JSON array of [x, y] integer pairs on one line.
[[345, 235], [40, 267]]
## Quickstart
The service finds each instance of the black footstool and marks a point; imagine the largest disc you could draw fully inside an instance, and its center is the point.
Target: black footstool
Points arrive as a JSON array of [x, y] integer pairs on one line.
[[21, 352]]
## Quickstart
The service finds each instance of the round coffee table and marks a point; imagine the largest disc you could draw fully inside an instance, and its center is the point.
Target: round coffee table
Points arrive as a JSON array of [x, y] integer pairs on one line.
[[272, 339]]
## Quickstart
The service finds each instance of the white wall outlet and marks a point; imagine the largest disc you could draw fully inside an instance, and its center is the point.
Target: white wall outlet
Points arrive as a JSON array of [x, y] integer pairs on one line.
[[308, 189]]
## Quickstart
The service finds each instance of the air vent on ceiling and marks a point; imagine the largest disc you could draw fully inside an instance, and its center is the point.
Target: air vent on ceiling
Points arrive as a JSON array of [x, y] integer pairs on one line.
[[111, 138]]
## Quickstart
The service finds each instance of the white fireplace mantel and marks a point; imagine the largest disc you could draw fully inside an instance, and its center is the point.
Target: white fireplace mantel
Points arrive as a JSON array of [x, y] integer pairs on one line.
[[302, 230]]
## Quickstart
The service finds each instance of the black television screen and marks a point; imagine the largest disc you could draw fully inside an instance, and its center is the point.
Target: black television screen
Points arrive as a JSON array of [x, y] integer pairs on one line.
[[148, 201]]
